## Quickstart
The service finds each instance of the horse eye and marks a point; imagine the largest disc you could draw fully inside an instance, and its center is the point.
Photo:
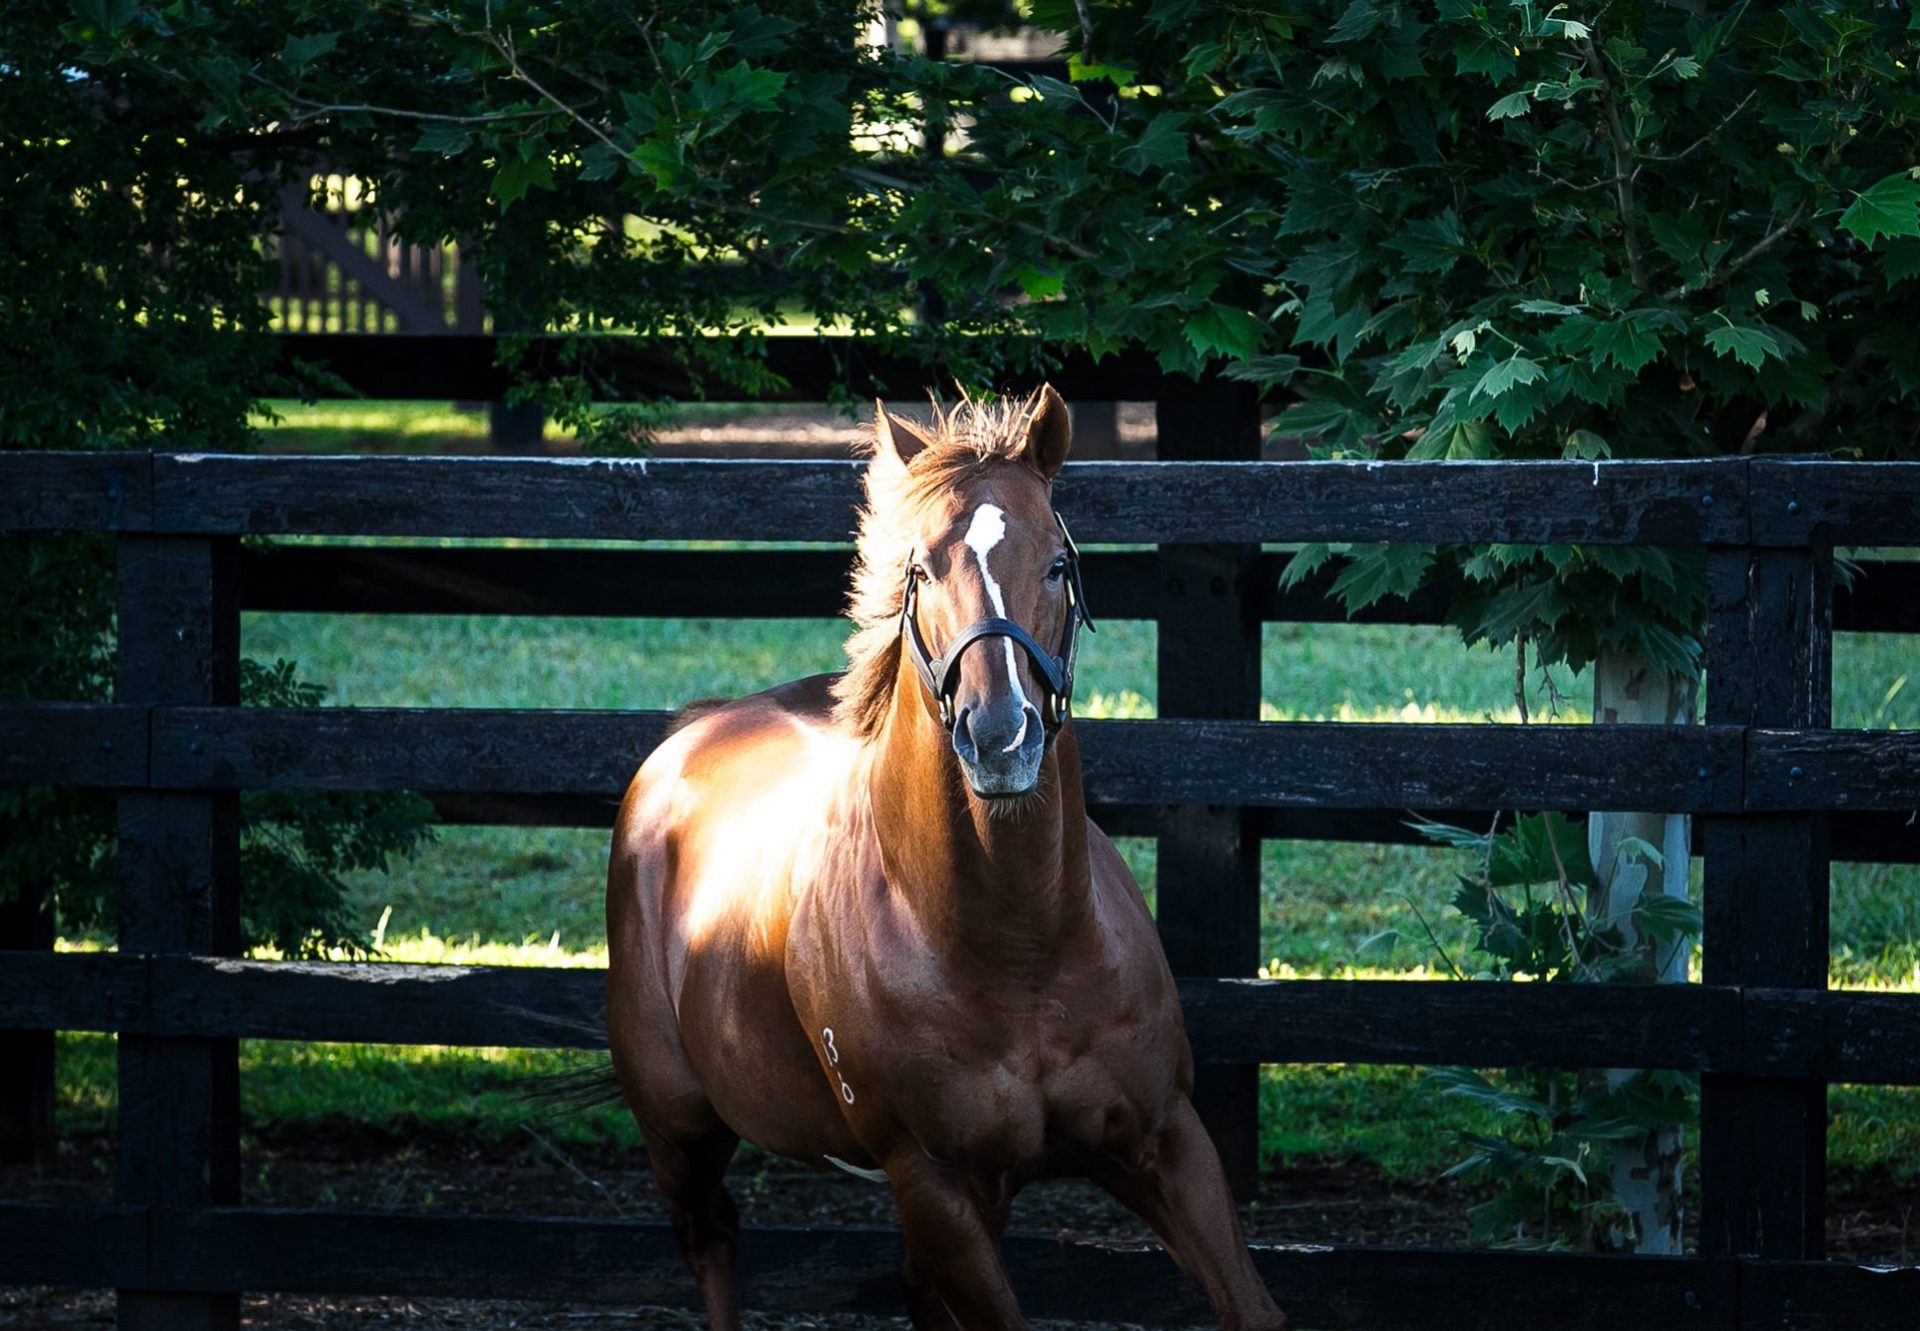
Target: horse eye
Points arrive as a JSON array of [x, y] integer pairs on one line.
[[920, 574], [1059, 569]]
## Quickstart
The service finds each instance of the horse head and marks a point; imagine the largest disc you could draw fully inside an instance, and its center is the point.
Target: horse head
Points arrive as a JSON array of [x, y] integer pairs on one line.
[[991, 599]]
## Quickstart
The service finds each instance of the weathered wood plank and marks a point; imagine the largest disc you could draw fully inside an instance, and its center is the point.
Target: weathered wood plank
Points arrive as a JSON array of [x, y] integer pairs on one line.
[[1833, 1036], [380, 1003], [73, 1244], [1827, 1296], [1819, 502], [76, 491], [1765, 903], [177, 861], [1482, 1024], [856, 1270], [589, 498], [1282, 764], [73, 744], [851, 1270], [381, 748], [1834, 769], [687, 499], [74, 991], [1838, 1036]]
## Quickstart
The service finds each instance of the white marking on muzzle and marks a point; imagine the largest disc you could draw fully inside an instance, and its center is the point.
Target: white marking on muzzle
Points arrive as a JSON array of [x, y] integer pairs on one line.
[[988, 529]]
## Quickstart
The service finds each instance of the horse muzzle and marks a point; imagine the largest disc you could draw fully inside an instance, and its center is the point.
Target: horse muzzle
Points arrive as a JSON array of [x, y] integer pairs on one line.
[[999, 744]]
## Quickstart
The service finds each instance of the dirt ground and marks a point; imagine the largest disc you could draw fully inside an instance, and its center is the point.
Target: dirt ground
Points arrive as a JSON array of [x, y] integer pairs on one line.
[[356, 1168]]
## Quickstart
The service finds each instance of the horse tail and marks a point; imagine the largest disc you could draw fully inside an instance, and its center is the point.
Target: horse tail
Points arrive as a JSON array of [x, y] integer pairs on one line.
[[576, 1089]]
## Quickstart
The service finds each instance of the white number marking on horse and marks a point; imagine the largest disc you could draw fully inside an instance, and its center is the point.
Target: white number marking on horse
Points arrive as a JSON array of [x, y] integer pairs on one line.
[[833, 1061], [988, 529]]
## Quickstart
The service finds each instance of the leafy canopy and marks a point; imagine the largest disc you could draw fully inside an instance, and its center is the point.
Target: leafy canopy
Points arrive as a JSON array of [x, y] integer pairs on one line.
[[1450, 230]]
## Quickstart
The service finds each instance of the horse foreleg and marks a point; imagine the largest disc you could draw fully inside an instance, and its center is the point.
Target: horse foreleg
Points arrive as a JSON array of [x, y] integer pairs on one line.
[[705, 1220], [1182, 1191], [955, 1276]]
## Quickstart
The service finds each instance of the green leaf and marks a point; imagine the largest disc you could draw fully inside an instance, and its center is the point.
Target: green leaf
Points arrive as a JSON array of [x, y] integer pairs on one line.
[[301, 50], [1586, 446], [1751, 345], [1374, 571], [449, 140], [1269, 371], [1356, 21], [1513, 104], [517, 175], [600, 162], [108, 15], [1038, 283], [1163, 142], [1305, 560], [1224, 330], [1900, 261], [1503, 376], [1481, 52], [1669, 919], [1630, 342], [1431, 244], [1889, 207], [1085, 71]]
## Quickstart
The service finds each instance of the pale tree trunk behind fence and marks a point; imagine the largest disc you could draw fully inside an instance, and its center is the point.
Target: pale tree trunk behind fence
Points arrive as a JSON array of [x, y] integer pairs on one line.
[[1629, 691]]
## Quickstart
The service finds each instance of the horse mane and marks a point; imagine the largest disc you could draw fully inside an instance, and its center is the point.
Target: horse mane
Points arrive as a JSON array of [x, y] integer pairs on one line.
[[963, 441]]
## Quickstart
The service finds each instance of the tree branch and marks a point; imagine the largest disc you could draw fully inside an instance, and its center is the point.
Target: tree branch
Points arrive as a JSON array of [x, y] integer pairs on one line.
[[1623, 168], [1702, 141], [1741, 260], [315, 110]]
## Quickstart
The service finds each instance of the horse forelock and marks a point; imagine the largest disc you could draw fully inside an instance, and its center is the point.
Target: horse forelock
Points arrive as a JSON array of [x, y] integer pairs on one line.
[[964, 442]]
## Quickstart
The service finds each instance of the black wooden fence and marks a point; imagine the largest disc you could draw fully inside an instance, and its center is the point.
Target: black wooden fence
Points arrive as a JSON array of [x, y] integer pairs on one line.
[[1773, 786]]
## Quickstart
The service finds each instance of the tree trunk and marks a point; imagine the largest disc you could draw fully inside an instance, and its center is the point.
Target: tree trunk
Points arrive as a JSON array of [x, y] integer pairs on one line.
[[1628, 691]]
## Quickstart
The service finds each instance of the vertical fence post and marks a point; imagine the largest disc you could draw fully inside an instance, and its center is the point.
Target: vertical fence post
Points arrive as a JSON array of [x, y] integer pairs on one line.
[[1209, 667], [26, 1089], [179, 637], [1763, 1140]]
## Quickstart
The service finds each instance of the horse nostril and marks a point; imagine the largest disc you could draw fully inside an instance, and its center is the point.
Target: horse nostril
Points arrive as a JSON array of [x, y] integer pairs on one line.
[[963, 735], [1035, 731]]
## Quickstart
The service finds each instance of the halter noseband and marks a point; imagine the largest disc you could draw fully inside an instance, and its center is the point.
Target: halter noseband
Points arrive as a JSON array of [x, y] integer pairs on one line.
[[1056, 668]]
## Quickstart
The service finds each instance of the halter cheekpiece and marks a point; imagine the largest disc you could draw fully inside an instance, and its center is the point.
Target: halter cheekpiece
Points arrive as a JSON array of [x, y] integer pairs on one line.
[[938, 672]]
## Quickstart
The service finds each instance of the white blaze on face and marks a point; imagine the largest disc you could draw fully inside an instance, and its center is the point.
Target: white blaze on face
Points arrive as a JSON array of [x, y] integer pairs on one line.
[[988, 529]]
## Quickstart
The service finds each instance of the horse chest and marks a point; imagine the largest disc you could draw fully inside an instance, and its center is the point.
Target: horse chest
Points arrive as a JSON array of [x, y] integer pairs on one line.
[[1006, 1093]]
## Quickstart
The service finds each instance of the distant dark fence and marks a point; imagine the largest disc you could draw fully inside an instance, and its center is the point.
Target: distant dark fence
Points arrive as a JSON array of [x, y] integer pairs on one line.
[[1776, 792]]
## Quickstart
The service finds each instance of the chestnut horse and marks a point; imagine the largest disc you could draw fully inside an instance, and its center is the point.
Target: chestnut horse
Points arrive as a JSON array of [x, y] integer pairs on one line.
[[864, 919]]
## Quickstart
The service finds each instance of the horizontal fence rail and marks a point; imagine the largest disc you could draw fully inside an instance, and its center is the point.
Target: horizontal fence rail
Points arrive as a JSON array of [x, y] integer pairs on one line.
[[1284, 764], [792, 1270], [1722, 501], [1837, 1035], [1372, 1288]]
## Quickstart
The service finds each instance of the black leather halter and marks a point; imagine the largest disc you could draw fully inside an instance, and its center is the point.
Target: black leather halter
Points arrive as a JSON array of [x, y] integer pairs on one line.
[[1056, 668]]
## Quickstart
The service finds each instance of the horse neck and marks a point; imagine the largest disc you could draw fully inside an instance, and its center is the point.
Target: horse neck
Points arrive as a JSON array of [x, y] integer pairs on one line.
[[1000, 886]]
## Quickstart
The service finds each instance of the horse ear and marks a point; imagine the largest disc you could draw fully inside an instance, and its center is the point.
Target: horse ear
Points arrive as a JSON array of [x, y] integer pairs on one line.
[[1049, 433], [896, 440]]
